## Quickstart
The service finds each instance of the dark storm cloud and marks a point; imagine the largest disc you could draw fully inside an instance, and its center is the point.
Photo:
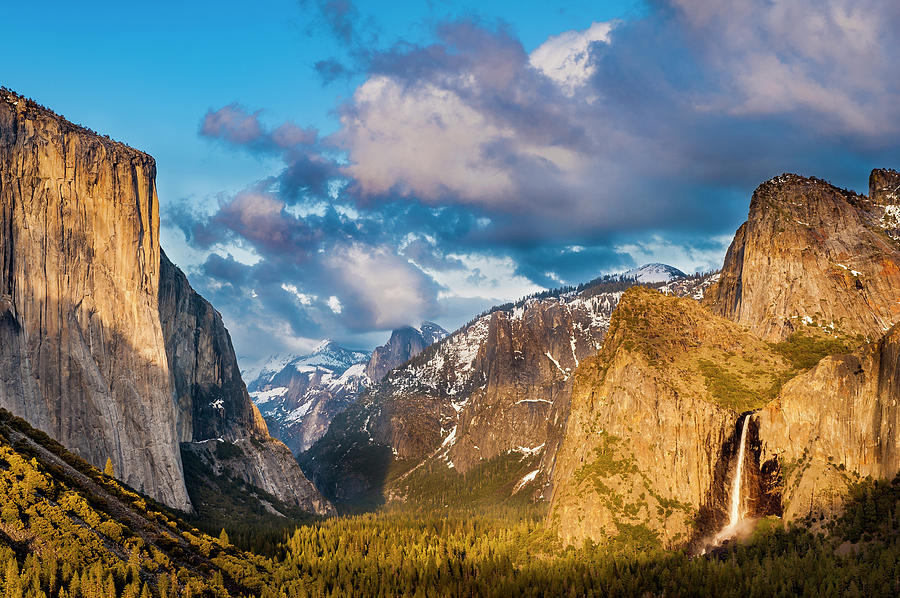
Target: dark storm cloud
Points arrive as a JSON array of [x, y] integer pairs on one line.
[[341, 17], [308, 166], [331, 69]]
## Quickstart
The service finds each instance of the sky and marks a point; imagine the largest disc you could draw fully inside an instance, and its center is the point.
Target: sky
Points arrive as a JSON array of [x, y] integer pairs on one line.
[[339, 168]]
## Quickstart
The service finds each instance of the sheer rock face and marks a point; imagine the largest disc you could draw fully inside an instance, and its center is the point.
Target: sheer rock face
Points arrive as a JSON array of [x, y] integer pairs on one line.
[[884, 186], [833, 424], [103, 343], [211, 399], [82, 353], [649, 441], [811, 251]]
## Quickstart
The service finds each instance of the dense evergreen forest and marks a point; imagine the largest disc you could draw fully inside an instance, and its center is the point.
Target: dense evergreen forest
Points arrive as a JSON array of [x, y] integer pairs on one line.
[[68, 530]]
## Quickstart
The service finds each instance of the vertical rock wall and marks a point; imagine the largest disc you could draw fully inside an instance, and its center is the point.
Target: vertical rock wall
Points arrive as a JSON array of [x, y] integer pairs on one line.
[[212, 404], [82, 354]]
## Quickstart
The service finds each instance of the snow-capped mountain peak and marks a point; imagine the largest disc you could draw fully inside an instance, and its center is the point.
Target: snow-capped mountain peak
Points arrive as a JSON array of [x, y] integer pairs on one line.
[[322, 346], [653, 273]]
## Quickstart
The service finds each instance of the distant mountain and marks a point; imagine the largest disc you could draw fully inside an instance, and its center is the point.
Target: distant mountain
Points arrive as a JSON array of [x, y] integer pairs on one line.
[[299, 395], [404, 343], [652, 273]]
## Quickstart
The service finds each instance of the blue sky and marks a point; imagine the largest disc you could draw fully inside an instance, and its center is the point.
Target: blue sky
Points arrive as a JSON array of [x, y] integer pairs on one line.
[[331, 168]]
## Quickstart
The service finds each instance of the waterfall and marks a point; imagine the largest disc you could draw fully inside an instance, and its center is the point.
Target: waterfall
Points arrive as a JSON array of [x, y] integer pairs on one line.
[[735, 512]]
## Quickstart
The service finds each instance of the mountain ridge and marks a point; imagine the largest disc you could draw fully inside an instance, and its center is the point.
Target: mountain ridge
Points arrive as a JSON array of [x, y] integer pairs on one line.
[[300, 400]]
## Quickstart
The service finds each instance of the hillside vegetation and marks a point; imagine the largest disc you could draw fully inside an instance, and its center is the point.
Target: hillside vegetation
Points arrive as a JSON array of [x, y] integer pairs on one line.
[[70, 531]]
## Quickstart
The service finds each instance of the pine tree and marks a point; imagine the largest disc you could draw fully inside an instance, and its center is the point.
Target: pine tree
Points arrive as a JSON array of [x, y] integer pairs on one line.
[[13, 583], [223, 537], [109, 469]]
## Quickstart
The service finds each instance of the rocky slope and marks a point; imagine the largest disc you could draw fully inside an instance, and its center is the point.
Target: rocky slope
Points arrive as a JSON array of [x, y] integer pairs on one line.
[[498, 386], [299, 396], [812, 252], [653, 417], [103, 343], [82, 352]]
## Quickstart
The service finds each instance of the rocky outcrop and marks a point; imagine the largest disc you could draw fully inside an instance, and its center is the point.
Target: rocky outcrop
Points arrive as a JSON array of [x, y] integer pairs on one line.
[[651, 431], [884, 187], [834, 424], [264, 463], [103, 343], [82, 353], [404, 344], [810, 252]]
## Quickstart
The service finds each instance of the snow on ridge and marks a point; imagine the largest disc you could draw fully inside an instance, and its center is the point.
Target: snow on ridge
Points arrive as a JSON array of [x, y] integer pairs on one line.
[[297, 414], [262, 397]]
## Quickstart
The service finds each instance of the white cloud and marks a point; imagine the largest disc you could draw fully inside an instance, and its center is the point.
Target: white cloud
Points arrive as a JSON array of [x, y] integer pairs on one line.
[[335, 304], [303, 298], [380, 289], [485, 277], [566, 57], [425, 140]]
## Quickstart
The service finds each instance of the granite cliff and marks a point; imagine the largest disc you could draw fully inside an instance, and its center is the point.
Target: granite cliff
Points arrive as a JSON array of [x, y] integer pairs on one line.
[[833, 425], [810, 251], [82, 352], [212, 403], [815, 261], [803, 339], [103, 344], [404, 344]]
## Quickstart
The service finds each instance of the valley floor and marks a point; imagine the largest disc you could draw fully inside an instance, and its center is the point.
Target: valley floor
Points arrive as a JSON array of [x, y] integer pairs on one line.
[[67, 530]]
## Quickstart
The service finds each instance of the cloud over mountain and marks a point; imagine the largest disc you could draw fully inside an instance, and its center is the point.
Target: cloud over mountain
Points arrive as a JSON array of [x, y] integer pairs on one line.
[[599, 149]]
